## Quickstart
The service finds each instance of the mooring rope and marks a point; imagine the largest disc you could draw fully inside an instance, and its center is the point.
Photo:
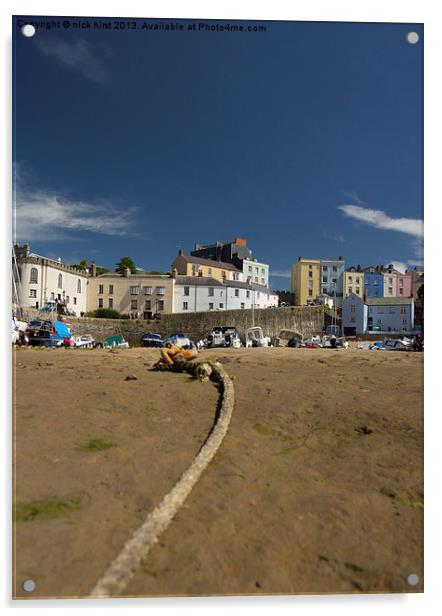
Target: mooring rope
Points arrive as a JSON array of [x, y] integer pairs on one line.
[[122, 568]]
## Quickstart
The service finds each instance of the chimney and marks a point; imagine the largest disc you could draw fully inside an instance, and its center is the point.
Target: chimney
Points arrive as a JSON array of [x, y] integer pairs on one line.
[[340, 258], [240, 240], [93, 269], [180, 252], [127, 272], [174, 273]]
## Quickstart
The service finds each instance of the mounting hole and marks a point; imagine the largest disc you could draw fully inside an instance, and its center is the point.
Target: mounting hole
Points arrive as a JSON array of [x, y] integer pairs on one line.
[[412, 38], [413, 579], [29, 585], [28, 30]]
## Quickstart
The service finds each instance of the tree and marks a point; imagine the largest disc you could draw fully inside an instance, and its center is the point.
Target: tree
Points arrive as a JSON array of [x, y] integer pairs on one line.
[[81, 265], [126, 263]]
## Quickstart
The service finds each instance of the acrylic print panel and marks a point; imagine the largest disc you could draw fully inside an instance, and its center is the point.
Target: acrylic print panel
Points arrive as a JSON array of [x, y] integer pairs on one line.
[[251, 193]]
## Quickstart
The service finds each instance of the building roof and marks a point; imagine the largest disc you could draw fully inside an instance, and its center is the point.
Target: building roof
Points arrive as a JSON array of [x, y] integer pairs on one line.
[[137, 276], [250, 286], [388, 301], [201, 281], [210, 263]]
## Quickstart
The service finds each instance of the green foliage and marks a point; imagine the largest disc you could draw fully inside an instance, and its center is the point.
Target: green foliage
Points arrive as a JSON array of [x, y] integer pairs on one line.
[[101, 270], [125, 263], [49, 508], [104, 313], [96, 444]]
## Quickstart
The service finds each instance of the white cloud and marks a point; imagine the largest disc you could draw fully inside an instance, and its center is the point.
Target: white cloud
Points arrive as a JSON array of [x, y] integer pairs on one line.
[[381, 220], [280, 273], [42, 215], [353, 195], [398, 265], [78, 56]]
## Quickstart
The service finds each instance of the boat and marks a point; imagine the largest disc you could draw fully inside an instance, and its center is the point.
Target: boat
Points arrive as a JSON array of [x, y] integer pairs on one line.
[[222, 336], [401, 344], [151, 340], [180, 340], [115, 342], [255, 338]]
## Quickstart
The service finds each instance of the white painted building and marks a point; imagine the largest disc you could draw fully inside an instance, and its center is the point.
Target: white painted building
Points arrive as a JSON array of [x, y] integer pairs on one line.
[[380, 314], [255, 272], [40, 281], [354, 315], [201, 293]]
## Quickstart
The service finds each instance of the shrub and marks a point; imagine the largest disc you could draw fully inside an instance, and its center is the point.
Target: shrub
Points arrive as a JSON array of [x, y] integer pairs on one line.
[[105, 313]]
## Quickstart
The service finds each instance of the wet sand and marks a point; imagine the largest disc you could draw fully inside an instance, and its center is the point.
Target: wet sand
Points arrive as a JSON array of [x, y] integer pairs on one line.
[[317, 487]]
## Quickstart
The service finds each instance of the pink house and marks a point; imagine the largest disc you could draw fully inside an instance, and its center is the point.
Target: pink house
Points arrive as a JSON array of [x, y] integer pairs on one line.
[[404, 285]]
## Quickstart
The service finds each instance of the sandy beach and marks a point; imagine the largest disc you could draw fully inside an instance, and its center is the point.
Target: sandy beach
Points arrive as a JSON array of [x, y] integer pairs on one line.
[[317, 487]]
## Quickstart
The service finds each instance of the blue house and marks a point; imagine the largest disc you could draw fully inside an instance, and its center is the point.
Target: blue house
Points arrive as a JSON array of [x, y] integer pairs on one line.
[[373, 282]]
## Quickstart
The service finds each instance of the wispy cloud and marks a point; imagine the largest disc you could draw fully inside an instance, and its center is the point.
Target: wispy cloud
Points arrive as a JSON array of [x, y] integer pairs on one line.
[[77, 55], [398, 265], [45, 215], [353, 195], [381, 220], [280, 273]]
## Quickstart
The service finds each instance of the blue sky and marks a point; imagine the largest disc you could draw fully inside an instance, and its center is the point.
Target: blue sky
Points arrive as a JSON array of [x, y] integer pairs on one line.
[[306, 139]]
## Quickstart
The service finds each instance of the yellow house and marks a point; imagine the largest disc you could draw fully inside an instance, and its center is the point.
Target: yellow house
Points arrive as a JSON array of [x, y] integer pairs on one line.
[[354, 282], [305, 281], [196, 266]]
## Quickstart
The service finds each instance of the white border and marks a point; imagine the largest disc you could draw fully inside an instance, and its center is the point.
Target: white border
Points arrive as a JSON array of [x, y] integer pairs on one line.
[[313, 10]]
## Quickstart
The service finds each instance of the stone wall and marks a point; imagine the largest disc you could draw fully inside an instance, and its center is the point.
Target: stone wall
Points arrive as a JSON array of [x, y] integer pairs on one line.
[[301, 319]]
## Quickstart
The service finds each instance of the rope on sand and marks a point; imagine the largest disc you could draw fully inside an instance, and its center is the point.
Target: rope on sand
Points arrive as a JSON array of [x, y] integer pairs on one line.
[[121, 569]]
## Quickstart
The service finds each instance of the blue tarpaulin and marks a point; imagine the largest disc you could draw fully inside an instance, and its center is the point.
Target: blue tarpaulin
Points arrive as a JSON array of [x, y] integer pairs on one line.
[[62, 329]]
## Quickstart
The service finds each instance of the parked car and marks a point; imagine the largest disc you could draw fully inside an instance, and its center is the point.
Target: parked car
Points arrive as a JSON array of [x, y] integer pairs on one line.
[[151, 340]]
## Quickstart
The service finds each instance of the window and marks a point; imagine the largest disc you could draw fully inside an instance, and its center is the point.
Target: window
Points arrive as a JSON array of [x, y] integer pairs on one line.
[[310, 284], [111, 302], [34, 275], [211, 306], [401, 282], [186, 290], [134, 290], [376, 281], [379, 321], [211, 292], [33, 293], [375, 292], [52, 295], [324, 290], [79, 286], [134, 304], [401, 291], [248, 294], [60, 281], [263, 281], [221, 306], [358, 290], [147, 290], [333, 279], [236, 292], [381, 310], [194, 271], [161, 290], [100, 302], [390, 281], [263, 272], [111, 289], [390, 290], [357, 280], [256, 270], [67, 299], [403, 310], [250, 268], [353, 319], [242, 305], [75, 300], [310, 274], [352, 308], [392, 310], [350, 279], [335, 269], [148, 304], [235, 276], [185, 306], [160, 304], [404, 321], [310, 292], [350, 289], [325, 279], [101, 289], [258, 295]]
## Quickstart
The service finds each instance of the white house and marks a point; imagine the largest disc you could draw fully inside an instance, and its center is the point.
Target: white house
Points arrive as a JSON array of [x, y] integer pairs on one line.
[[255, 272], [40, 281], [201, 293]]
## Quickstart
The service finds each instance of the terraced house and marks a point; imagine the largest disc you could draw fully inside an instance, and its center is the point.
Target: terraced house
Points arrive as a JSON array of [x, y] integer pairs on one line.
[[139, 295]]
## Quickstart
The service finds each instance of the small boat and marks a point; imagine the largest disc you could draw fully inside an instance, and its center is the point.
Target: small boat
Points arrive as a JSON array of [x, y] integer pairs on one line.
[[255, 337], [403, 344], [222, 336], [151, 340], [115, 342]]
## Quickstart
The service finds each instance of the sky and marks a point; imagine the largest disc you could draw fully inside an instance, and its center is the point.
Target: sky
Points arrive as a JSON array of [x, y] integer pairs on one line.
[[306, 139]]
